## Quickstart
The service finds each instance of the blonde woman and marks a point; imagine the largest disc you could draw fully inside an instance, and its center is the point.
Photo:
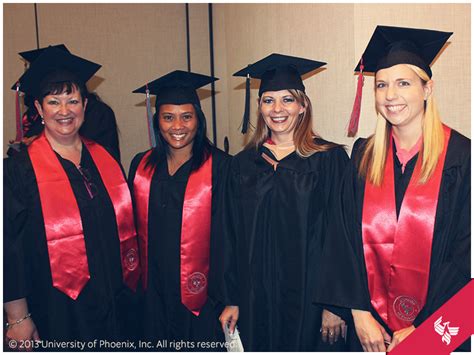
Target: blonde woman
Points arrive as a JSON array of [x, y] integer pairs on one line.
[[280, 192], [405, 201]]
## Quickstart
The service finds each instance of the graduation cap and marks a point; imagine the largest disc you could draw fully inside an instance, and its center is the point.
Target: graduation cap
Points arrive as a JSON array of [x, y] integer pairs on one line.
[[390, 46], [56, 60], [46, 61], [176, 88], [276, 72], [31, 56]]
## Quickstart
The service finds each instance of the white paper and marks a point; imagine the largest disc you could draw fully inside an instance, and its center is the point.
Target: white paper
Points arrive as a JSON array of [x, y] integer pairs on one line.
[[234, 344]]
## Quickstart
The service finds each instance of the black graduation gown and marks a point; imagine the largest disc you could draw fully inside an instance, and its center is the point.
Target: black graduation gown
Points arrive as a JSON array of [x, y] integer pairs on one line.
[[102, 309], [344, 274], [274, 226], [100, 125], [164, 316]]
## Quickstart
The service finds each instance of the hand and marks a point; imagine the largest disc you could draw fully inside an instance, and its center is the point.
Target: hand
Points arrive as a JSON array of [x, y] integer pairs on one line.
[[229, 315], [25, 330], [331, 327], [371, 334], [399, 336]]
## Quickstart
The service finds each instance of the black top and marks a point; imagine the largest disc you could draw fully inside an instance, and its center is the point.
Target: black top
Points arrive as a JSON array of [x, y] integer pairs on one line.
[[97, 312], [344, 274], [274, 226]]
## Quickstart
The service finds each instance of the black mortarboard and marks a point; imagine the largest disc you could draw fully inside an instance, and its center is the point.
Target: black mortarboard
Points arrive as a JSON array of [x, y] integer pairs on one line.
[[279, 72], [276, 72], [56, 60], [176, 88], [398, 45], [390, 46], [31, 56]]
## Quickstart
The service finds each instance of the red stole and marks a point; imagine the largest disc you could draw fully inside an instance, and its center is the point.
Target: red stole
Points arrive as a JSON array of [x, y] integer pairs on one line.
[[62, 219], [397, 253], [195, 230]]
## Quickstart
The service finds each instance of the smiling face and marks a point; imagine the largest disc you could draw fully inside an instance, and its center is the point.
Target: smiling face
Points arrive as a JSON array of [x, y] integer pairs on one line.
[[63, 114], [400, 95], [280, 111], [178, 125]]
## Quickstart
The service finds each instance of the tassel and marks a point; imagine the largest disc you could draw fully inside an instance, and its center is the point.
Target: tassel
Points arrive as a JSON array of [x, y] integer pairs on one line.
[[19, 123], [355, 115], [246, 118], [149, 114]]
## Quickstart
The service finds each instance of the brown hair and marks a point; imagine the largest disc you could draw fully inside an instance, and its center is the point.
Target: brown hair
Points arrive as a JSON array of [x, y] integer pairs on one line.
[[303, 136]]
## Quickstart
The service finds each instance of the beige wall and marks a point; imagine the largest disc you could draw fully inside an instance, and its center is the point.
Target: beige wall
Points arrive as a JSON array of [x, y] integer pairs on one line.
[[136, 43], [338, 34]]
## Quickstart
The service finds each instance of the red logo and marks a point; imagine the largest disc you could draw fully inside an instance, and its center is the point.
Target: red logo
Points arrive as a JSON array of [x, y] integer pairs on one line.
[[406, 308], [131, 259], [197, 282]]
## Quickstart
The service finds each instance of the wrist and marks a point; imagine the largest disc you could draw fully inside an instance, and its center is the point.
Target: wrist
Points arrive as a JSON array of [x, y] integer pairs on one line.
[[359, 312], [12, 322]]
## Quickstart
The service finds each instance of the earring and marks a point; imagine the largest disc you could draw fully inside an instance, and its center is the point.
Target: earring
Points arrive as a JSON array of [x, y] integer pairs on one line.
[[42, 120]]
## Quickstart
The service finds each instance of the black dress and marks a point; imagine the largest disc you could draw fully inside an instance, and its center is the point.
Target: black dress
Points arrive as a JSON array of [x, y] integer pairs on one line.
[[103, 309], [344, 274], [164, 316], [275, 224]]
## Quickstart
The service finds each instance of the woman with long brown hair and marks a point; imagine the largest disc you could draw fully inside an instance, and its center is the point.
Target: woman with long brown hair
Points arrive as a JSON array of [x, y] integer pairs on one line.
[[280, 190]]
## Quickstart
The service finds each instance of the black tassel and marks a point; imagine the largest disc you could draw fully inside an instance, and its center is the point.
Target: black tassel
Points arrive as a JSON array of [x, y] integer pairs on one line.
[[246, 118], [226, 144]]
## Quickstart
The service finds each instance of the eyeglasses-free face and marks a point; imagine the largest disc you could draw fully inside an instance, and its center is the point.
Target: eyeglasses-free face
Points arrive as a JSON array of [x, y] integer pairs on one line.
[[178, 125], [280, 110]]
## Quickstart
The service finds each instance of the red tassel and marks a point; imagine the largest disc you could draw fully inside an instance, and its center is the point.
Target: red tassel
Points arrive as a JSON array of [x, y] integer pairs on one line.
[[19, 125], [355, 115]]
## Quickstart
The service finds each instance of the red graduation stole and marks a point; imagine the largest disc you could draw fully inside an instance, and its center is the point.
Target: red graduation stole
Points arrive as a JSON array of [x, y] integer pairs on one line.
[[397, 253], [195, 230], [62, 219]]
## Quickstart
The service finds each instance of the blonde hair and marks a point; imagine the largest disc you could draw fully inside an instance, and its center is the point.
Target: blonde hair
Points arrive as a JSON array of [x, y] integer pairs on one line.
[[303, 135], [374, 154]]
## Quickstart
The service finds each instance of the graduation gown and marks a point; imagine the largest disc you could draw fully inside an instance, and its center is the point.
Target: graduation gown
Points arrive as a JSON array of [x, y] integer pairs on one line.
[[164, 316], [275, 224], [344, 273], [103, 307], [100, 125]]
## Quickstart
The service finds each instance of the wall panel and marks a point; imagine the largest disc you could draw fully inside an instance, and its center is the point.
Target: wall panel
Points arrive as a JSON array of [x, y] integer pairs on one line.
[[136, 43]]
